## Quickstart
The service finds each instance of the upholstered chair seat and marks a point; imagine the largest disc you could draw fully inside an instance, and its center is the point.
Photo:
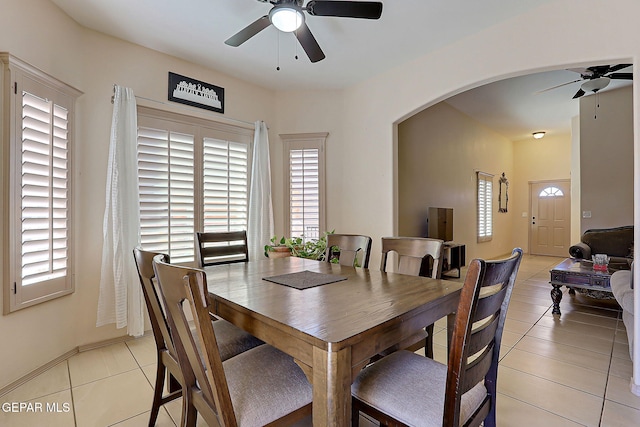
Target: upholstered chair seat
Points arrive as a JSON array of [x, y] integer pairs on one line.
[[396, 385], [258, 393]]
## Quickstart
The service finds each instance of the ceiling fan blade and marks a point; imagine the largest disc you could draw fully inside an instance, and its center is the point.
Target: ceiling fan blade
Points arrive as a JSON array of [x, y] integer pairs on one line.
[[614, 68], [249, 31], [309, 43], [621, 76], [578, 94], [345, 9], [555, 87]]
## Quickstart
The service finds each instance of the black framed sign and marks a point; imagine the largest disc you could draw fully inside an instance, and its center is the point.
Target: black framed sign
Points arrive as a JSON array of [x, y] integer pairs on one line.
[[196, 93]]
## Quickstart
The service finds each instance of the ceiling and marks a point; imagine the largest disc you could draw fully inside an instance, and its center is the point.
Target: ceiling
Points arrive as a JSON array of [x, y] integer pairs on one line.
[[355, 49]]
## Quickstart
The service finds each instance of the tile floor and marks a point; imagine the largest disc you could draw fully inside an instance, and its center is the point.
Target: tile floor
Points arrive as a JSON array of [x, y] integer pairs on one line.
[[572, 371]]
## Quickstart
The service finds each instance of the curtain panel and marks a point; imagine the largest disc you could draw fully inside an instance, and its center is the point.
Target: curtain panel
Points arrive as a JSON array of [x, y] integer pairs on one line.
[[121, 300]]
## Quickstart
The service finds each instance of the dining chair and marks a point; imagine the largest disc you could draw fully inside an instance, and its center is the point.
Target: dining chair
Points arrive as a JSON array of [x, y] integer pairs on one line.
[[349, 247], [407, 389], [221, 248], [262, 386], [231, 340], [415, 256]]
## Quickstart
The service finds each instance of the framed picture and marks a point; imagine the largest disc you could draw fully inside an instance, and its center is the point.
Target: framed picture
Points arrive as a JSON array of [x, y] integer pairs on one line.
[[196, 93]]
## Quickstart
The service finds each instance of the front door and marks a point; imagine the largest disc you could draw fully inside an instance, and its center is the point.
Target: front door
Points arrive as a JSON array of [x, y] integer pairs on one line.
[[550, 232]]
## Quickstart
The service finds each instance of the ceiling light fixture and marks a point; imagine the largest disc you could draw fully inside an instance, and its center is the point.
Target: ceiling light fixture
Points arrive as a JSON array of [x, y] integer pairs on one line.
[[286, 17], [538, 135], [595, 85]]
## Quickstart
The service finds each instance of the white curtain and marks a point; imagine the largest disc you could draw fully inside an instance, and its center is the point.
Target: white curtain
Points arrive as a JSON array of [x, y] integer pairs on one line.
[[121, 301], [260, 228]]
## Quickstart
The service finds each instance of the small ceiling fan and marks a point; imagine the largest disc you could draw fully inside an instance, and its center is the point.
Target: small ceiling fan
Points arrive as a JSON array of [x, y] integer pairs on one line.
[[595, 78], [288, 16]]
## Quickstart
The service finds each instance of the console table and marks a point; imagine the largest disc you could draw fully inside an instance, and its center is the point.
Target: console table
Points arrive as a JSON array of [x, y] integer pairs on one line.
[[454, 258], [573, 274]]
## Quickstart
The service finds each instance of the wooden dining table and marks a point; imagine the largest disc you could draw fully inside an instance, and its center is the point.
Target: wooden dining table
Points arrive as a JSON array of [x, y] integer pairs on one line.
[[331, 330]]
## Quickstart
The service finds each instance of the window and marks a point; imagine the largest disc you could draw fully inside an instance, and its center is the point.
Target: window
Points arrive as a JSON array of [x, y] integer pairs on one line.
[[193, 176], [551, 192], [39, 178], [304, 184], [485, 210]]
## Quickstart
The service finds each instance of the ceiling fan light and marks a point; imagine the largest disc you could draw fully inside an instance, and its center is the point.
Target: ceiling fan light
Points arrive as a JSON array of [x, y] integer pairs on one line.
[[596, 84], [286, 18], [538, 135]]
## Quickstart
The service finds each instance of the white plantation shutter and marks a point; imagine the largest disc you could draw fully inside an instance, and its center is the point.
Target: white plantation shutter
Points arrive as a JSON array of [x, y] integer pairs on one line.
[[304, 190], [193, 176], [304, 162], [39, 213], [485, 210], [166, 185], [44, 194], [225, 182]]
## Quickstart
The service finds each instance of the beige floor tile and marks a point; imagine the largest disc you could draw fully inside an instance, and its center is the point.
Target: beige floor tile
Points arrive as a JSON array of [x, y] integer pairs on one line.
[[568, 374], [571, 339], [528, 307], [143, 350], [523, 316], [175, 411], [588, 318], [54, 410], [621, 350], [516, 326], [510, 339], [52, 381], [577, 327], [113, 399], [617, 415], [100, 363], [622, 368], [530, 300], [142, 420], [619, 391], [511, 412], [564, 353], [578, 406]]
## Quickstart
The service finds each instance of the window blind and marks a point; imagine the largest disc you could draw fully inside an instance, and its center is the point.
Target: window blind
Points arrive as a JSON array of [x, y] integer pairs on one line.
[[166, 186], [485, 211], [304, 192], [225, 182], [44, 190]]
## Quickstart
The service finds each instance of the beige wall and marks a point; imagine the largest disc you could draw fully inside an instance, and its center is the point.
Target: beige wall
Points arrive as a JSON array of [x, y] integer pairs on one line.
[[369, 112], [92, 63], [534, 160], [606, 158], [439, 151]]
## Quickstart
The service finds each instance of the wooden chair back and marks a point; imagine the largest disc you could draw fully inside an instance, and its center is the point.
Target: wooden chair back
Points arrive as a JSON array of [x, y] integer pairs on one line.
[[351, 247], [477, 334], [205, 385], [221, 248], [157, 314], [413, 255]]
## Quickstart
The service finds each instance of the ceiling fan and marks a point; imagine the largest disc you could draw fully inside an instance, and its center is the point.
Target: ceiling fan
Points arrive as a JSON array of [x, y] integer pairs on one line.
[[288, 16], [596, 78]]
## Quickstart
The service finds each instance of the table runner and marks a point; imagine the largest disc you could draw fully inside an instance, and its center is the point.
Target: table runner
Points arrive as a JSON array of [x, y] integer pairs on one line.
[[305, 279]]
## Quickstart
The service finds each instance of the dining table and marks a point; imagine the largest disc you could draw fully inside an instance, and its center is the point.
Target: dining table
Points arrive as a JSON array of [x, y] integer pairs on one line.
[[331, 330]]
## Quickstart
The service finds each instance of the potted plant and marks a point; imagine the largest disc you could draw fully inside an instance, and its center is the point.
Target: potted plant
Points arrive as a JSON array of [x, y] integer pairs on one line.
[[277, 248], [296, 246]]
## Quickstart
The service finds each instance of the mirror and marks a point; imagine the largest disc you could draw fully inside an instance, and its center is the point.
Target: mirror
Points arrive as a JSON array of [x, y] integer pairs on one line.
[[503, 196]]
